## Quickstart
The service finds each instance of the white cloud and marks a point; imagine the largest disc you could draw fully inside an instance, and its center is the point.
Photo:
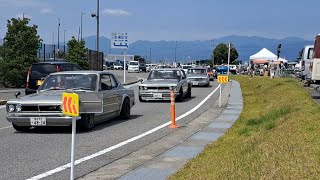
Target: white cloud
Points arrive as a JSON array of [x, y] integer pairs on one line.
[[46, 11], [23, 15], [116, 12]]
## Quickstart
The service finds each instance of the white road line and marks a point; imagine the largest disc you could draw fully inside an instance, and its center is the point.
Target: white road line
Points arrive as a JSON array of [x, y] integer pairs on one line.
[[3, 106], [6, 127], [64, 167]]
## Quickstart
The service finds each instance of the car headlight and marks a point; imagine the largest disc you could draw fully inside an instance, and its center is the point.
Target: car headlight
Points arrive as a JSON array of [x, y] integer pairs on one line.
[[143, 88], [18, 108], [11, 108]]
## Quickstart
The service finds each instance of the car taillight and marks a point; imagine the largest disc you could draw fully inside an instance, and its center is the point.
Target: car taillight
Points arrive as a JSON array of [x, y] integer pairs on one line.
[[28, 76], [303, 65]]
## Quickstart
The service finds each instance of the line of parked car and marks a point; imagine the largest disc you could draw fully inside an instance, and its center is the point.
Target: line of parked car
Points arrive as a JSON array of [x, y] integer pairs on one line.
[[48, 80]]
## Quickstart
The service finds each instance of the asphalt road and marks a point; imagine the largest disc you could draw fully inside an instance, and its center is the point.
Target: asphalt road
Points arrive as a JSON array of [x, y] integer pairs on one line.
[[25, 155]]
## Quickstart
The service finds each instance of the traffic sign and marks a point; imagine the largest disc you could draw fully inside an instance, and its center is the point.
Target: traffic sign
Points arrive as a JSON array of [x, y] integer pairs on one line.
[[70, 105], [119, 40], [223, 79]]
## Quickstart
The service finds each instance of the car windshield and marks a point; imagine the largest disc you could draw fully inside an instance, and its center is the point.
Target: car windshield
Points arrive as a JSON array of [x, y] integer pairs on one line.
[[197, 71], [117, 64], [70, 81], [186, 67], [42, 70], [165, 74], [133, 63]]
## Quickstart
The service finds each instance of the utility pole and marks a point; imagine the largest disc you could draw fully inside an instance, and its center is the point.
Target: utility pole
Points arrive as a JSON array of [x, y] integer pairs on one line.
[[229, 58], [64, 43], [175, 52], [81, 25], [213, 53], [53, 47], [150, 55], [58, 33]]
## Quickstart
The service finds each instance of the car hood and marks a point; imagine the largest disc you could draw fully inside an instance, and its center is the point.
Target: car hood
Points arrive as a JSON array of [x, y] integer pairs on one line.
[[197, 76], [160, 82], [50, 97]]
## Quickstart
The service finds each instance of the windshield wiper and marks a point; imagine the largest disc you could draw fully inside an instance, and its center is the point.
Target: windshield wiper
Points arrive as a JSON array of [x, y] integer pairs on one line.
[[81, 88], [53, 88]]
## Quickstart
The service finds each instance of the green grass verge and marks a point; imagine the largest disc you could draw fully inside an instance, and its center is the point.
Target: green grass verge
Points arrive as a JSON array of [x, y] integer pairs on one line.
[[276, 137]]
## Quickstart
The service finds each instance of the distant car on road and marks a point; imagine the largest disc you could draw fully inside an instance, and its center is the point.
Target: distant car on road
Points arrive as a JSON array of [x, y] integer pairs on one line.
[[133, 66], [159, 82], [198, 77], [221, 69], [211, 73], [117, 66], [185, 68], [45, 107], [39, 71], [150, 67]]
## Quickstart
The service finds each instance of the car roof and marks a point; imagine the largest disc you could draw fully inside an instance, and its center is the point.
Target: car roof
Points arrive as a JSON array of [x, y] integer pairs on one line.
[[81, 72], [53, 62]]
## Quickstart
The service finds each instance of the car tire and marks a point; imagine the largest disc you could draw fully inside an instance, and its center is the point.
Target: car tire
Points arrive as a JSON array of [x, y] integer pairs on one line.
[[21, 128], [125, 109], [180, 96], [189, 92], [87, 122], [141, 100]]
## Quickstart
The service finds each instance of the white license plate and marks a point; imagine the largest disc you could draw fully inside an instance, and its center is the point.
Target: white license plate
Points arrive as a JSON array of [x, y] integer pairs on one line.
[[157, 95], [195, 83], [38, 121]]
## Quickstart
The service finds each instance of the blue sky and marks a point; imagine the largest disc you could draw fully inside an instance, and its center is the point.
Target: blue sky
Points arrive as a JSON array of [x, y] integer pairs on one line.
[[169, 19]]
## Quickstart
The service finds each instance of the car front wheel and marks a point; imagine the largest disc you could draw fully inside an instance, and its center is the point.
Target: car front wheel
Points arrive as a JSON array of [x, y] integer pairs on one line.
[[189, 92], [125, 110], [180, 96], [87, 122]]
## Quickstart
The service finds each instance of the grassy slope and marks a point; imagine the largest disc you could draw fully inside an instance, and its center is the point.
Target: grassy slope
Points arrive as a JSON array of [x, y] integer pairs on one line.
[[276, 137]]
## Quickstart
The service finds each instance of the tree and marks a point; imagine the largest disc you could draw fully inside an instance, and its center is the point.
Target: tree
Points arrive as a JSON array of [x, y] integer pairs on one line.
[[220, 54], [19, 51], [77, 53]]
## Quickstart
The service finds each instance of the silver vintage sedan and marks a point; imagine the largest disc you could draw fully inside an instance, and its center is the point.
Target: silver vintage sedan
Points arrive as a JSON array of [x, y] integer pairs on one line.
[[100, 93], [159, 82], [198, 76]]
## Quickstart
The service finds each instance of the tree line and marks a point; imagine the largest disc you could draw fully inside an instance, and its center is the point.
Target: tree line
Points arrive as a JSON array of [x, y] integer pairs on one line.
[[19, 51]]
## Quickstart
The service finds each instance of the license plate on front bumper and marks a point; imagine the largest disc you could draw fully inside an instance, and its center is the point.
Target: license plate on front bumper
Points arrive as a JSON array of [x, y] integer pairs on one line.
[[194, 83], [38, 121], [157, 95]]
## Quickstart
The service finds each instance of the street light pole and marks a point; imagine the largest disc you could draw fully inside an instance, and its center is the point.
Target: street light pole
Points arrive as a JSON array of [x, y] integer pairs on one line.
[[97, 44], [58, 32]]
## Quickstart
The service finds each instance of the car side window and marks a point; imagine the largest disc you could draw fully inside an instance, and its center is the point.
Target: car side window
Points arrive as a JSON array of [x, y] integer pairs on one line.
[[105, 82], [113, 82]]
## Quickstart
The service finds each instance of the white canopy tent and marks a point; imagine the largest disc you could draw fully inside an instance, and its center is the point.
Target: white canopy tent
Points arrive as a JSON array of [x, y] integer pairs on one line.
[[264, 54]]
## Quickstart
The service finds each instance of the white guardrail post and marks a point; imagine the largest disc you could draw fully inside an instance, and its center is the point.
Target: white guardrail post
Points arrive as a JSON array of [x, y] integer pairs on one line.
[[220, 95]]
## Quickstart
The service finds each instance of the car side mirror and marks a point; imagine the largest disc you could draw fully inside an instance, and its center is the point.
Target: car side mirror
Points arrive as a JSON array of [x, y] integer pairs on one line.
[[17, 94]]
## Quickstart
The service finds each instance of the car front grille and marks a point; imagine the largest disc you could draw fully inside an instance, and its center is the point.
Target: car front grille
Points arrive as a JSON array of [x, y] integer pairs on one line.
[[40, 108], [158, 88]]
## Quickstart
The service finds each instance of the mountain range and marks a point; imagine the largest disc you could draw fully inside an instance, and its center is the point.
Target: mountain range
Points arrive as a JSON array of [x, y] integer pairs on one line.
[[193, 50]]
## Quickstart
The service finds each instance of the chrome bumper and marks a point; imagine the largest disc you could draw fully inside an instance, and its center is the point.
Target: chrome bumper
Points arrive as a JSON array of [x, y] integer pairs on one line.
[[57, 120]]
